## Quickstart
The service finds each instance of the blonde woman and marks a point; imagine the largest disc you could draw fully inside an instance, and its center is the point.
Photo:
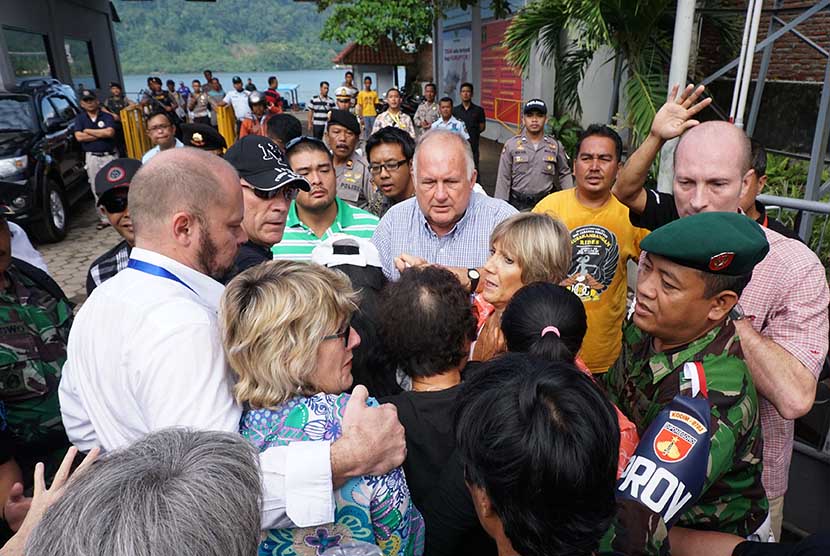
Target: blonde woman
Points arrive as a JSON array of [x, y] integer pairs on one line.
[[287, 335], [524, 248]]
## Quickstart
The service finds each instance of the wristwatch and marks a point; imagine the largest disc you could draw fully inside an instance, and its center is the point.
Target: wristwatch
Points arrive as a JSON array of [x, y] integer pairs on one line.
[[474, 276], [737, 313]]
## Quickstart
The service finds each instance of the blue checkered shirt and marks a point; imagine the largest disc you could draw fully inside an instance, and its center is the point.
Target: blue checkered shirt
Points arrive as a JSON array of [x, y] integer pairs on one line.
[[403, 229]]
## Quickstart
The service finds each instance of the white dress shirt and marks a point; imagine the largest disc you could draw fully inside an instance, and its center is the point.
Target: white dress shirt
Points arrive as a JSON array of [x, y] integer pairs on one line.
[[155, 150], [145, 353]]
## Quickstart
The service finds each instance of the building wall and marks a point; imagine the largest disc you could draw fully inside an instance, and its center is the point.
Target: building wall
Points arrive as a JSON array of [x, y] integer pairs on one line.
[[792, 59], [383, 77], [86, 20]]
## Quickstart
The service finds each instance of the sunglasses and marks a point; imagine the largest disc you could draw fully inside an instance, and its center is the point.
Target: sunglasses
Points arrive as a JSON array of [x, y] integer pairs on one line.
[[114, 203], [288, 192], [344, 334]]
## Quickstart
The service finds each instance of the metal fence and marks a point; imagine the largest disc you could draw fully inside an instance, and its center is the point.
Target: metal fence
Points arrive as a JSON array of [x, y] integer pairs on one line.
[[811, 219]]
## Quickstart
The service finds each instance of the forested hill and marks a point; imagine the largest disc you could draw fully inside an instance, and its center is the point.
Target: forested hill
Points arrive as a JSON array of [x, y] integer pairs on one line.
[[226, 35]]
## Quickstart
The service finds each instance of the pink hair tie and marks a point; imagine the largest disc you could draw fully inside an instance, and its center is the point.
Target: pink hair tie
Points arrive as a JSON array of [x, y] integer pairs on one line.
[[553, 329]]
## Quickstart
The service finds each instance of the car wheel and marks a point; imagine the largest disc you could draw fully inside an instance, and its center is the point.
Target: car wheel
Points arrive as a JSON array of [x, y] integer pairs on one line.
[[55, 221]]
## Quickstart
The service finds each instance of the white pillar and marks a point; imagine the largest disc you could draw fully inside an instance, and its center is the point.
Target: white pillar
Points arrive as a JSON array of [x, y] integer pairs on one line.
[[683, 25]]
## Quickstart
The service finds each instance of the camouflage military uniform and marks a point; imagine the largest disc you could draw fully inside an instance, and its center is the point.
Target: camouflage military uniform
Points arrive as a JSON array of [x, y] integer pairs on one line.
[[642, 382], [34, 329]]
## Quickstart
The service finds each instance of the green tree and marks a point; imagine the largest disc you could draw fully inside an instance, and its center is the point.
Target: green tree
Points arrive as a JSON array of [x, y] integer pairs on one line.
[[568, 34]]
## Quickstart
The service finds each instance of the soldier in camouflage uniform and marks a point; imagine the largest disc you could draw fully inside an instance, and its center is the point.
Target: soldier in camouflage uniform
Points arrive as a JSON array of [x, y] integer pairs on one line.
[[682, 341], [35, 318]]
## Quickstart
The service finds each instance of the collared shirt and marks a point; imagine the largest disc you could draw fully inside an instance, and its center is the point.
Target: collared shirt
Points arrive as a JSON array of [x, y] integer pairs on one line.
[[354, 182], [399, 120], [299, 240], [145, 354], [239, 101], [427, 112], [200, 104], [107, 265], [532, 169], [101, 121], [453, 124], [788, 298], [404, 229], [157, 149], [320, 108]]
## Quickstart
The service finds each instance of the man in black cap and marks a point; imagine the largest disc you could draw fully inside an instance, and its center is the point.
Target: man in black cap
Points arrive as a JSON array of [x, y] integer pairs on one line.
[[238, 98], [268, 187], [111, 187], [532, 164], [95, 130], [115, 103], [354, 182], [203, 137], [158, 100]]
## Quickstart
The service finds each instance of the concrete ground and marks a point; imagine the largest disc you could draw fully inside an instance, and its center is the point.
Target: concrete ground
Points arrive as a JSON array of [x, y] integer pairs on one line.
[[69, 260]]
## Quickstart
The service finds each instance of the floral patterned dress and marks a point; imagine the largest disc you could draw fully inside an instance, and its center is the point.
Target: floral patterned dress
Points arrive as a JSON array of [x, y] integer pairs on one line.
[[376, 510]]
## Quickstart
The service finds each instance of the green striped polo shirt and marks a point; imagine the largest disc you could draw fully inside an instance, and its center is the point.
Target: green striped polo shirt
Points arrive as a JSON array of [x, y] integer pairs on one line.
[[299, 241]]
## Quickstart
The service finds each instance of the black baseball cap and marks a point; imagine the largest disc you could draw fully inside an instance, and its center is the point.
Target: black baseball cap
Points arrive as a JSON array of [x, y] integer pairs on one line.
[[536, 105], [259, 161], [116, 173], [236, 79], [116, 84], [88, 94]]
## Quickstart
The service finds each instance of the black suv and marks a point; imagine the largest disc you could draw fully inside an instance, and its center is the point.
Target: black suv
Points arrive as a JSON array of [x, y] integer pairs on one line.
[[41, 163]]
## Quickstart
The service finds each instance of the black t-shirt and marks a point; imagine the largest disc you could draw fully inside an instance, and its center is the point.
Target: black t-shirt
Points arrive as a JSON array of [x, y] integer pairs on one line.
[[660, 209], [435, 475], [772, 223], [249, 254]]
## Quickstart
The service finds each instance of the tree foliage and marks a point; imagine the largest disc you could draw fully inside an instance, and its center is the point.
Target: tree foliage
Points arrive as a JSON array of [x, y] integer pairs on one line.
[[231, 35], [568, 34]]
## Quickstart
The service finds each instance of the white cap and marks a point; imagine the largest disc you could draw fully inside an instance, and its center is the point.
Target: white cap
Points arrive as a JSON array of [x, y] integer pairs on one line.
[[350, 250]]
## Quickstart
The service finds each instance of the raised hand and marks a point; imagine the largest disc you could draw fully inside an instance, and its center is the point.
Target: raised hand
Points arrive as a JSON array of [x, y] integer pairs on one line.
[[675, 117]]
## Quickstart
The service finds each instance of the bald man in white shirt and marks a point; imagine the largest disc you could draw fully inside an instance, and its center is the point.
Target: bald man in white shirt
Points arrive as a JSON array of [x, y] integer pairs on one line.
[[145, 353]]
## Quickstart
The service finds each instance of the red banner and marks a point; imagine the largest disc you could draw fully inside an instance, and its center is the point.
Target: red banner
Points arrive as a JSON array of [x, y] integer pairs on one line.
[[498, 79]]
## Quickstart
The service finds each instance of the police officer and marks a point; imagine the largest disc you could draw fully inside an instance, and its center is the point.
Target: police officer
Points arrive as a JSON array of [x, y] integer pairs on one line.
[[532, 164], [35, 318], [343, 99], [354, 182], [681, 348]]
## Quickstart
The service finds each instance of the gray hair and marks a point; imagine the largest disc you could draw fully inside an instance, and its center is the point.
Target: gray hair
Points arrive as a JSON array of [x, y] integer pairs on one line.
[[175, 180], [439, 133], [177, 492]]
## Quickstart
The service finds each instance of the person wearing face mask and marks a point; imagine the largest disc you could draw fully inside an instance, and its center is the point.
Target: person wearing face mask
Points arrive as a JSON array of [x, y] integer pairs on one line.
[[354, 183], [603, 239]]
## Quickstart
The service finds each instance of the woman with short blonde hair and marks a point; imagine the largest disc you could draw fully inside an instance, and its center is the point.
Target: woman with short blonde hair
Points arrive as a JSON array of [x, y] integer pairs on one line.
[[525, 248], [287, 335]]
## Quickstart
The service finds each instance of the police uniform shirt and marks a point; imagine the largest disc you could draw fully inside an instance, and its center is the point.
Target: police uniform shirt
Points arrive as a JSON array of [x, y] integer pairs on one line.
[[530, 170], [354, 182], [239, 101]]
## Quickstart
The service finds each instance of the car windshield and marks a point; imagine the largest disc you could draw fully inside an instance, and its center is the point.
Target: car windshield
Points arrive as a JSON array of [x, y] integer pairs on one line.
[[16, 114]]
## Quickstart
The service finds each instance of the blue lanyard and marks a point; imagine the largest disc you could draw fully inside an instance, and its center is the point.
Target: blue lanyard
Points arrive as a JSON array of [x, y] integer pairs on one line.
[[155, 270]]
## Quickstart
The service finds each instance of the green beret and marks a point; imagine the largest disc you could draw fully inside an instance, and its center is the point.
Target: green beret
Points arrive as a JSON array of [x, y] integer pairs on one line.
[[725, 243]]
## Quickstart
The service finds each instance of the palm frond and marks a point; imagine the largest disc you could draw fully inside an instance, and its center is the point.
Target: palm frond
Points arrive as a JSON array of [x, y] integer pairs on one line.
[[570, 69], [539, 23], [645, 93]]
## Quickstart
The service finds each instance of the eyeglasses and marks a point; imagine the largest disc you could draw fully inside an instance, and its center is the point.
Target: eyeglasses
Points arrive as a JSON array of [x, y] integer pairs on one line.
[[305, 139], [344, 334], [114, 203], [288, 192], [388, 166]]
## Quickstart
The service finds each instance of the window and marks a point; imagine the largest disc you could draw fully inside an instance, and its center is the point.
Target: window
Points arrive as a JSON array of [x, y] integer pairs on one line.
[[79, 58], [48, 111], [16, 114], [29, 54], [65, 111]]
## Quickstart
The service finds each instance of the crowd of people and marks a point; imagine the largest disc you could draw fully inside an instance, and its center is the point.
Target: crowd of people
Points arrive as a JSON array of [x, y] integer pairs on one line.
[[299, 348]]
